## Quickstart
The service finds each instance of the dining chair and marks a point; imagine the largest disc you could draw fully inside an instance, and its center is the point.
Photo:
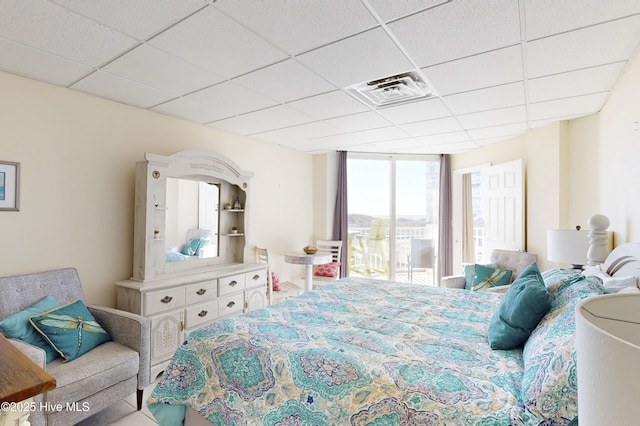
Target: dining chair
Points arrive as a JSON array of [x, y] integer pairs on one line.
[[287, 288], [329, 272]]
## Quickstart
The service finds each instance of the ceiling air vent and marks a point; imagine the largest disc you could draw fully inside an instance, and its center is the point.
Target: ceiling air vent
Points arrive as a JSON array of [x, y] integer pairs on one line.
[[405, 87]]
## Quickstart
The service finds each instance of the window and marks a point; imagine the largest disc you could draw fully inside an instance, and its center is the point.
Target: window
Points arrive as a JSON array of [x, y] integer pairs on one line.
[[393, 216]]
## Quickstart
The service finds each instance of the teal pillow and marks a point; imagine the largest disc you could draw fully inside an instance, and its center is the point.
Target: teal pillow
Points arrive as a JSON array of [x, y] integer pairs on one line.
[[71, 330], [470, 272], [191, 248], [520, 310], [17, 326], [202, 242], [487, 277]]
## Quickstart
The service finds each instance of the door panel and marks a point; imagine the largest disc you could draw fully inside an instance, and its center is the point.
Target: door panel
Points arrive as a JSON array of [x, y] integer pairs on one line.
[[504, 207]]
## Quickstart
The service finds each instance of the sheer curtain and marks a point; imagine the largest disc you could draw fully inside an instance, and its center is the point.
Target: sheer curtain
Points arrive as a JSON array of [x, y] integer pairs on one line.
[[468, 242], [445, 233], [340, 218]]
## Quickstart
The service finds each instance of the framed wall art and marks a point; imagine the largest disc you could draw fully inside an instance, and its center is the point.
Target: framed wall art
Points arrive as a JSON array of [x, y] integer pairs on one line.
[[9, 186]]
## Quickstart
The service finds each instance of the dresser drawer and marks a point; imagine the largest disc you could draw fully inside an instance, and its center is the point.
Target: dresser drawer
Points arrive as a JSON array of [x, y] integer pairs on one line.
[[230, 305], [201, 314], [163, 300], [230, 284], [201, 292], [256, 279]]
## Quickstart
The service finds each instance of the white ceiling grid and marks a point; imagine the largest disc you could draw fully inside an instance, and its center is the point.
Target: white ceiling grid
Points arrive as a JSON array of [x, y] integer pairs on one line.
[[277, 70]]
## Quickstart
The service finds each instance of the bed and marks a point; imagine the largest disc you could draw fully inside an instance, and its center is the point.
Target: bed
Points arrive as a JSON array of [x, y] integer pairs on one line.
[[362, 351]]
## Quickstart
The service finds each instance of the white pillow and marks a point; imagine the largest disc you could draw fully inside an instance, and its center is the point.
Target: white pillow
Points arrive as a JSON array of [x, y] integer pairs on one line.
[[611, 284]]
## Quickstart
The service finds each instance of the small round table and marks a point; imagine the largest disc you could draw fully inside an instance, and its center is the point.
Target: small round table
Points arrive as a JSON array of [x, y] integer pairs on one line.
[[302, 258]]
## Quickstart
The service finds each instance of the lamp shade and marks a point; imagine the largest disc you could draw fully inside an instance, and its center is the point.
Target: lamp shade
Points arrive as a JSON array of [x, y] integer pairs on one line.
[[608, 359], [567, 246]]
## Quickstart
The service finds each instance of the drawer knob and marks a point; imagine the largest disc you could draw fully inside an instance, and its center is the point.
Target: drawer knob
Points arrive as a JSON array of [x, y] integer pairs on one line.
[[256, 277], [201, 292], [231, 304], [166, 299], [233, 283], [203, 313]]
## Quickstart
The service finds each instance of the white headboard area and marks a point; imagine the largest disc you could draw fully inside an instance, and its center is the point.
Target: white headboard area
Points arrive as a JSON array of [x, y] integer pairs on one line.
[[623, 261]]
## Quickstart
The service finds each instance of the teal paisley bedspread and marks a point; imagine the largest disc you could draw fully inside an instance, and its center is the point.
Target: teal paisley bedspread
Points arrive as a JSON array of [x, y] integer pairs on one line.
[[358, 352]]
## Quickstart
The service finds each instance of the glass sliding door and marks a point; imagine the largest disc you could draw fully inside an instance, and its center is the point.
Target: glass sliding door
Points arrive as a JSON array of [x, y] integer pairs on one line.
[[393, 206]]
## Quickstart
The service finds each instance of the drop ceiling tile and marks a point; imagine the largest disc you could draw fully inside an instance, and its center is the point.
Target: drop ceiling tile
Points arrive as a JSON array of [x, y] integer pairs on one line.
[[452, 31], [118, 89], [367, 56], [553, 17], [385, 133], [35, 64], [230, 99], [506, 95], [445, 138], [574, 83], [501, 66], [575, 106], [360, 121], [155, 68], [391, 10], [494, 117], [493, 134], [299, 26], [189, 110], [395, 146], [597, 45], [326, 143], [432, 127], [212, 40], [451, 147], [263, 120], [299, 133], [328, 105], [285, 81], [415, 111], [139, 19], [37, 24]]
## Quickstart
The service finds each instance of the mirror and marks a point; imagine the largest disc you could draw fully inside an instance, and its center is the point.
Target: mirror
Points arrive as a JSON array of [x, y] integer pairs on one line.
[[180, 198], [192, 214]]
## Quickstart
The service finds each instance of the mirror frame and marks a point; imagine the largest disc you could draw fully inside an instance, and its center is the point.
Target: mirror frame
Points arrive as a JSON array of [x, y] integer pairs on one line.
[[150, 211]]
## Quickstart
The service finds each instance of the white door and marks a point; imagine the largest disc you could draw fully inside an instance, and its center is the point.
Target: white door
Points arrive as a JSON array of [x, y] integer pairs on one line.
[[503, 201]]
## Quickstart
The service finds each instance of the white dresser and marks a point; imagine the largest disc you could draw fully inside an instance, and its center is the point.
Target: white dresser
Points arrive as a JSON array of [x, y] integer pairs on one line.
[[186, 197], [180, 304]]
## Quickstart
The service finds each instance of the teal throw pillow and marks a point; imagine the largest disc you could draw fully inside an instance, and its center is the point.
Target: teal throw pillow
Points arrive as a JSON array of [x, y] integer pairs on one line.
[[487, 277], [520, 310], [470, 272], [17, 326], [71, 329], [202, 242], [191, 248]]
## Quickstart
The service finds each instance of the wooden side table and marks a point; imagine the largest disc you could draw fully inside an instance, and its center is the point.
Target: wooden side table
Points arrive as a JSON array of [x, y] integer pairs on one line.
[[20, 380]]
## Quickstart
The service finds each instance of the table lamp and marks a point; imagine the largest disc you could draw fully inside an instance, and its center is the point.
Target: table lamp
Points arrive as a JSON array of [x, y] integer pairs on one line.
[[568, 246], [608, 359]]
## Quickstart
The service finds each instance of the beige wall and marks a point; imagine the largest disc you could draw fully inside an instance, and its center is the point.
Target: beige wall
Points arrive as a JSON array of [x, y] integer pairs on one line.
[[579, 167], [78, 155], [618, 156]]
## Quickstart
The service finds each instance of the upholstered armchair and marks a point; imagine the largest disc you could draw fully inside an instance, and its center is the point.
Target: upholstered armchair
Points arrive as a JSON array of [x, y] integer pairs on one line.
[[515, 261], [94, 380]]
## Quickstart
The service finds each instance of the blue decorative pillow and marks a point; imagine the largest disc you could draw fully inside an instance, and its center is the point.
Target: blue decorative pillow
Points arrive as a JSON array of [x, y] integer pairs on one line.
[[470, 272], [191, 248], [71, 330], [520, 310], [17, 326], [203, 243], [486, 277]]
